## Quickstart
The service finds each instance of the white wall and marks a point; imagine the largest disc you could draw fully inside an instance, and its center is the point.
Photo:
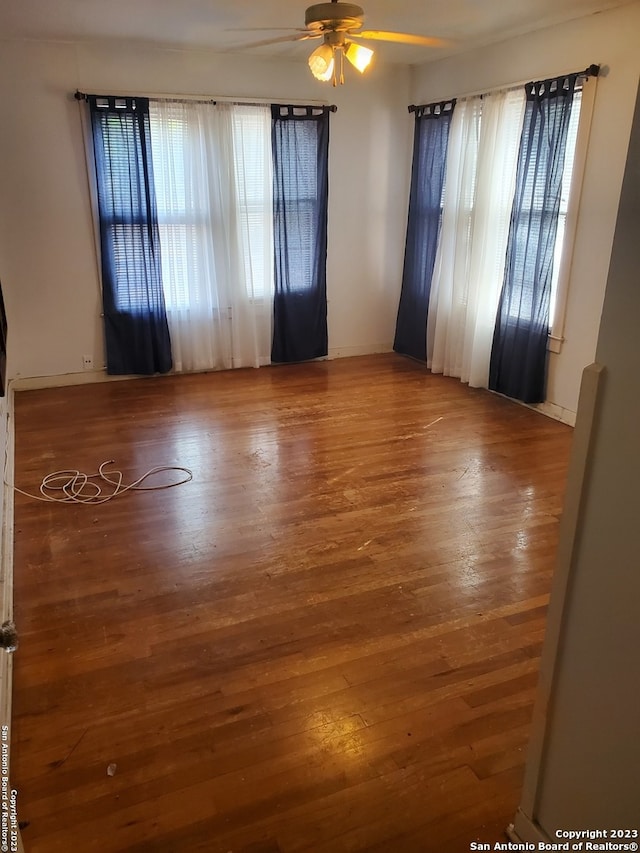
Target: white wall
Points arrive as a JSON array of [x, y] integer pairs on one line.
[[48, 268], [609, 39]]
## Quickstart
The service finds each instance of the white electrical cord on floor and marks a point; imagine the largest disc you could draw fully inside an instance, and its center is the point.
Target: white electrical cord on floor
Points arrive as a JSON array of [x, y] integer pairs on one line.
[[79, 488]]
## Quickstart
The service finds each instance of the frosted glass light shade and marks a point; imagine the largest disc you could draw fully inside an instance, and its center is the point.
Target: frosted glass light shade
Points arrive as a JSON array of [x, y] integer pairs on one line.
[[321, 62], [358, 55]]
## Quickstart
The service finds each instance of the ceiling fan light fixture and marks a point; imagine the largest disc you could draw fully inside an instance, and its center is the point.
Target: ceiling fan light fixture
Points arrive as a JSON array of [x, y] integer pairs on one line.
[[358, 55], [321, 62]]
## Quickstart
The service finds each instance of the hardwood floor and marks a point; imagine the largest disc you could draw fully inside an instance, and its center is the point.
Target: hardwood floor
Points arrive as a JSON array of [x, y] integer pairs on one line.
[[327, 641]]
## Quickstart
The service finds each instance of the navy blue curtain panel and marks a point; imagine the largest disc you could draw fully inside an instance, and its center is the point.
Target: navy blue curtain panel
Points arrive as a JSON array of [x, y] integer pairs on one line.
[[135, 321], [300, 147], [519, 353], [431, 136]]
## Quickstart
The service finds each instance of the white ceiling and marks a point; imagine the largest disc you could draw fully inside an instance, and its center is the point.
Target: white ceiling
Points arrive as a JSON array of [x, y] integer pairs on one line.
[[210, 23]]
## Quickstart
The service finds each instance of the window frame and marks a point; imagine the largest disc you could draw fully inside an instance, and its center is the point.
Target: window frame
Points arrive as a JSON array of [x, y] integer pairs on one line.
[[556, 333]]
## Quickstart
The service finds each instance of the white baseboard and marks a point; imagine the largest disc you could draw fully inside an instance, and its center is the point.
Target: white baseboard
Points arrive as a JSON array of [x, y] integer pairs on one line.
[[524, 830], [551, 410], [88, 377], [366, 349]]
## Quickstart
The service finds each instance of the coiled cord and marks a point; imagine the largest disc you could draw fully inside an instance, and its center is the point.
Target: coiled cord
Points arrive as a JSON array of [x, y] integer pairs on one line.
[[79, 488]]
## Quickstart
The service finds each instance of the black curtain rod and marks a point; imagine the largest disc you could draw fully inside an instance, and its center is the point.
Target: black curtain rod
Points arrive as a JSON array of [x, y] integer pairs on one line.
[[442, 104], [83, 96], [592, 71]]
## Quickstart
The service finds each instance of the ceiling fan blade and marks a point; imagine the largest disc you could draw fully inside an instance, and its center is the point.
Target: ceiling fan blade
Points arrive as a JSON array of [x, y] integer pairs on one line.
[[302, 37], [404, 38], [265, 29]]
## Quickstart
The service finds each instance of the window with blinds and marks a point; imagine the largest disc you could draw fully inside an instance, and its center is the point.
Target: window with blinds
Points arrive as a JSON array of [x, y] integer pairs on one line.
[[567, 177], [212, 180]]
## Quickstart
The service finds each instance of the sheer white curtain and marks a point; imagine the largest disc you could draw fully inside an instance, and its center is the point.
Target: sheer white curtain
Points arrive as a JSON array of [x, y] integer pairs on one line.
[[446, 318], [469, 268], [212, 176]]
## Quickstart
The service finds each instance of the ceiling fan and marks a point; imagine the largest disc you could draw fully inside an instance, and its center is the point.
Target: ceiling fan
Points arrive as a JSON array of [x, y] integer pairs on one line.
[[339, 25]]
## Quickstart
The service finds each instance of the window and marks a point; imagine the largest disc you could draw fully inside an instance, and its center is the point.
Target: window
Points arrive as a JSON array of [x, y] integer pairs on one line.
[[194, 204], [253, 176], [519, 360], [567, 176], [136, 331], [297, 214], [520, 308], [575, 157], [178, 227], [124, 208], [184, 193]]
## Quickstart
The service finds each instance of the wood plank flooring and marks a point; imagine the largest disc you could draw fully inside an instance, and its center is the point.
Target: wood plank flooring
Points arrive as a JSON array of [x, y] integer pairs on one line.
[[328, 641]]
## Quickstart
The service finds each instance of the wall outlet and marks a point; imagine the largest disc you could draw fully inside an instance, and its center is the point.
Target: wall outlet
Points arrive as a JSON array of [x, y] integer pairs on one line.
[[87, 362]]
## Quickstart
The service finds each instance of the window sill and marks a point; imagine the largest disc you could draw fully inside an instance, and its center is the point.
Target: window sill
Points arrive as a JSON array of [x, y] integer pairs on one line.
[[554, 344]]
